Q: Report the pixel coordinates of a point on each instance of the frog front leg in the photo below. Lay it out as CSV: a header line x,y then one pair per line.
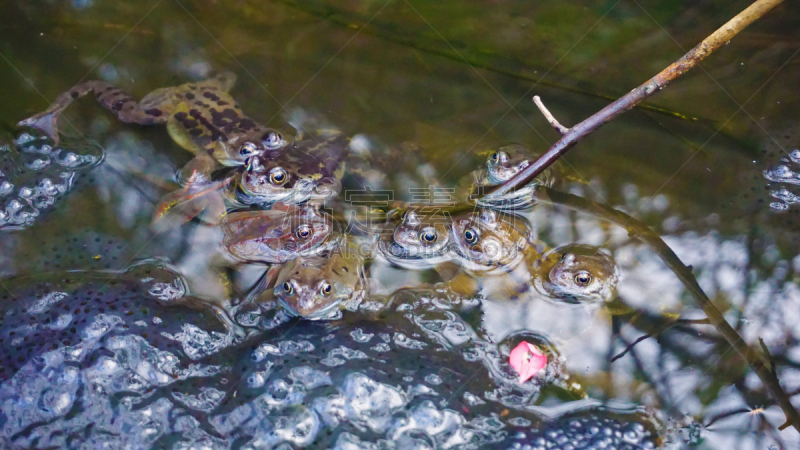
x,y
154,109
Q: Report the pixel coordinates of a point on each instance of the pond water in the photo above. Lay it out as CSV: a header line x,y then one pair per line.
x,y
118,334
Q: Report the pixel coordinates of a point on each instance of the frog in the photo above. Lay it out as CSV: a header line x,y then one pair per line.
x,y
419,238
318,287
309,170
201,117
577,273
497,256
501,165
491,249
277,235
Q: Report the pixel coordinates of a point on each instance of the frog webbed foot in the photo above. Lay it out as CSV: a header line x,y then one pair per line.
x,y
185,204
45,122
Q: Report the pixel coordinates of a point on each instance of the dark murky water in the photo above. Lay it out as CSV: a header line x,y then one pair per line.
x,y
113,334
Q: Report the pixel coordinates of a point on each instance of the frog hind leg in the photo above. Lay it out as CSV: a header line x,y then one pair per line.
x,y
126,108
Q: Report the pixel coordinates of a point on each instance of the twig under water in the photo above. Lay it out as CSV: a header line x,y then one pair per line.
x,y
634,97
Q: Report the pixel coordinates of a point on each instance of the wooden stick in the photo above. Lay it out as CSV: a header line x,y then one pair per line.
x,y
549,116
634,97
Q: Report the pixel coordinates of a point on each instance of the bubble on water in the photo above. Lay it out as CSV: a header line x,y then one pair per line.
x,y
38,164
404,341
6,188
785,196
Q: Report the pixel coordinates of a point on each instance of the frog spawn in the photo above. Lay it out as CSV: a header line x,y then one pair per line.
x,y
34,175
785,175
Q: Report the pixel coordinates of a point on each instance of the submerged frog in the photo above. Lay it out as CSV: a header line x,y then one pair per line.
x,y
501,166
317,287
200,116
278,235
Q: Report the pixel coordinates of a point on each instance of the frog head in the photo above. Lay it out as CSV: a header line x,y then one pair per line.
x,y
279,178
269,141
299,172
487,239
582,273
277,235
315,287
419,239
235,146
506,162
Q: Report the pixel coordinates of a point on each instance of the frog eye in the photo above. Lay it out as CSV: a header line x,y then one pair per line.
x,y
325,289
303,232
277,176
248,149
287,288
583,278
428,236
471,236
273,140
495,157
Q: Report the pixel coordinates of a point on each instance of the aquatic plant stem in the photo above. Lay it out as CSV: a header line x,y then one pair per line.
x,y
634,97
760,361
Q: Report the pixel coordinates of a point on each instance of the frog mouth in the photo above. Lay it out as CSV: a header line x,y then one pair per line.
x,y
322,313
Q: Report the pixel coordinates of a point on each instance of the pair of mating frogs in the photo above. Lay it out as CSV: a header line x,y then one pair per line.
x,y
204,119
318,273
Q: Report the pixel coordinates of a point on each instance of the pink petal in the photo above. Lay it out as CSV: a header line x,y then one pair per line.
x,y
527,360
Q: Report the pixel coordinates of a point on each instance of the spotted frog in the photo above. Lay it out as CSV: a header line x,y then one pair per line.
x,y
200,116
317,287
308,170
278,235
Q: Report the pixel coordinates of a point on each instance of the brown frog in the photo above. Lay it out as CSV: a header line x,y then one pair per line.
x,y
307,169
577,273
418,239
317,287
283,233
496,256
200,116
